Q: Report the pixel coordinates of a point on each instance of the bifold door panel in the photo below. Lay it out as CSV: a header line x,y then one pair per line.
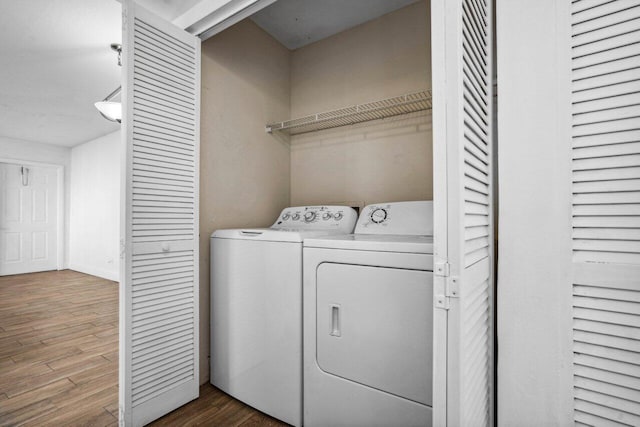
x,y
373,323
159,351
462,57
605,100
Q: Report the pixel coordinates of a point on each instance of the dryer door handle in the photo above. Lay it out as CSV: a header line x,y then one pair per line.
x,y
335,320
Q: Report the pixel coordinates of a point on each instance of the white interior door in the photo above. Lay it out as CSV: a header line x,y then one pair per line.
x,y
463,212
160,286
28,218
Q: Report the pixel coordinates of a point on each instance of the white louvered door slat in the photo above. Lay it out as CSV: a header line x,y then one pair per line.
x,y
606,211
463,194
159,290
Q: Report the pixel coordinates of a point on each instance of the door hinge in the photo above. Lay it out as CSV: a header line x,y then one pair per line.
x,y
441,301
445,286
441,269
452,289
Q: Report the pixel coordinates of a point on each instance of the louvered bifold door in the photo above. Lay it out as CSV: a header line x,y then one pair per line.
x,y
605,92
159,288
463,199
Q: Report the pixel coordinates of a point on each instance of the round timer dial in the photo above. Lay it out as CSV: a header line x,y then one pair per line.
x,y
378,215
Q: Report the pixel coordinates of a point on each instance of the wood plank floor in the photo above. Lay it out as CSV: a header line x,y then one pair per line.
x,y
59,358
58,349
215,408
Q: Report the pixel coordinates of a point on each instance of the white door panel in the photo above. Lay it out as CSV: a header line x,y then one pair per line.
x,y
28,218
159,351
606,212
463,215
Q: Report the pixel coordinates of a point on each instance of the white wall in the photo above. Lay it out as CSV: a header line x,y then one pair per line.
x,y
534,287
384,161
94,234
14,149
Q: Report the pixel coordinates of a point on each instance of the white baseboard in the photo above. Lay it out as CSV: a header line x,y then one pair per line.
x,y
95,271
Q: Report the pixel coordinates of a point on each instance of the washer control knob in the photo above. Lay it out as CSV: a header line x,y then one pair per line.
x,y
286,217
327,216
309,216
296,216
337,216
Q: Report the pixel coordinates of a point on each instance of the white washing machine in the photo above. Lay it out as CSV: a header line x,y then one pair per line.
x,y
368,307
256,307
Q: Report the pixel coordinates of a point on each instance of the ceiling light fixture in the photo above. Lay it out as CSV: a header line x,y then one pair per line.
x,y
109,109
112,110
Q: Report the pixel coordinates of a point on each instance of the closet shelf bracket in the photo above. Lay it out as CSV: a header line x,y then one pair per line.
x,y
399,105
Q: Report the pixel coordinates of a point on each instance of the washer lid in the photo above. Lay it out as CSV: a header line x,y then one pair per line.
x,y
374,242
269,234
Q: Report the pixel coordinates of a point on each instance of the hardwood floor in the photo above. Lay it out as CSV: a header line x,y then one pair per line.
x,y
58,349
215,408
59,358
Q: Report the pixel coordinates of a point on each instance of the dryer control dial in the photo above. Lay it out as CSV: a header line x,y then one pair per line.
x,y
295,217
286,217
378,215
327,216
309,216
337,216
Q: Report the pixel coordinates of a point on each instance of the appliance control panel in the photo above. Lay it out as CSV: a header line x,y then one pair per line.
x,y
339,218
402,218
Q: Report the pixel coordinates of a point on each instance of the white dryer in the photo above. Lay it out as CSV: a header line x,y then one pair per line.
x,y
256,307
368,307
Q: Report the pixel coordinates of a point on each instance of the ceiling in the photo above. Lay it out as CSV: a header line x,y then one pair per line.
x,y
56,60
297,23
167,9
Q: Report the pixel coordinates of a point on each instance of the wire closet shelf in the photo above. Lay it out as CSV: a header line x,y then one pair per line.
x,y
399,105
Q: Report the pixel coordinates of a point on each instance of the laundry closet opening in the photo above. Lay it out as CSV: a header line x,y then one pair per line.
x,y
271,68
310,103
310,60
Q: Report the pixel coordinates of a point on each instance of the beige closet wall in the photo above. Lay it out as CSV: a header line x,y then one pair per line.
x,y
244,172
372,162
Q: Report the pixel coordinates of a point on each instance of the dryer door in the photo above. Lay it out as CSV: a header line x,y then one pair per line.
x,y
374,327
